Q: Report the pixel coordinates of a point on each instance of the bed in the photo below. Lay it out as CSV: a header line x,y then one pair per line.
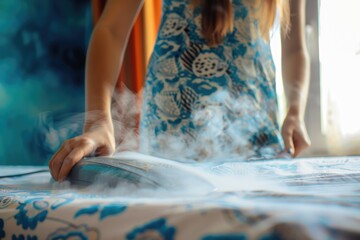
x,y
305,198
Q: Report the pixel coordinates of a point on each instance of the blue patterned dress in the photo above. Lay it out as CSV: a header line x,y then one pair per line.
x,y
203,102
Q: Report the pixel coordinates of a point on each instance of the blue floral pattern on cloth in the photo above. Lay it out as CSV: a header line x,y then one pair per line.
x,y
31,212
5,202
2,232
105,211
33,208
23,237
60,202
156,230
72,232
226,237
204,102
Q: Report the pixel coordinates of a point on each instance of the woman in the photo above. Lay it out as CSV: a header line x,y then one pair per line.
x,y
210,87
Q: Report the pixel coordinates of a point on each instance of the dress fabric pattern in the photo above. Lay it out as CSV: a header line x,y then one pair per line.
x,y
207,102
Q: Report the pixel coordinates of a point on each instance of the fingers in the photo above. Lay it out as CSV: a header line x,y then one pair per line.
x,y
295,142
68,155
288,142
301,142
56,161
295,135
82,150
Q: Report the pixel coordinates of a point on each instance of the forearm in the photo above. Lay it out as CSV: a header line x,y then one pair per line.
x,y
295,60
296,69
105,56
104,60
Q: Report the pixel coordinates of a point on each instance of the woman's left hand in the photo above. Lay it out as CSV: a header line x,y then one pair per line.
x,y
296,138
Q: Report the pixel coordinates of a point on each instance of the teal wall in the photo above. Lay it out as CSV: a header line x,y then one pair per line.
x,y
42,57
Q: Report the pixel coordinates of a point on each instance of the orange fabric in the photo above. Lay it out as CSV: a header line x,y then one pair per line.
x,y
136,46
140,44
97,8
152,15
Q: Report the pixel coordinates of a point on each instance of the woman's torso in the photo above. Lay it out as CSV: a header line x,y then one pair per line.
x,y
208,102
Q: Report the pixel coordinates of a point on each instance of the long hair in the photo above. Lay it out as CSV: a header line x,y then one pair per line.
x,y
218,17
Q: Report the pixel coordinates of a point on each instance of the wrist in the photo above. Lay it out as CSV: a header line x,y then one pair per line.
x,y
296,111
97,118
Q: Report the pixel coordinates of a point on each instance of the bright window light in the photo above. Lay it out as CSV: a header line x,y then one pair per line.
x,y
340,62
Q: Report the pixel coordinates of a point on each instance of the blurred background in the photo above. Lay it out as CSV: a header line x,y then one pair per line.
x,y
42,57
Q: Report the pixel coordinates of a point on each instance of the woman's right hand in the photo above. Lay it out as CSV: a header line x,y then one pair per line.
x,y
97,139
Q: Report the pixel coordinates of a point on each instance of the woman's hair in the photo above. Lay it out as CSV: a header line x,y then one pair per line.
x,y
218,17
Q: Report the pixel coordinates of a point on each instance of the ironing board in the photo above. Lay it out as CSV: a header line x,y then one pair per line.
x,y
310,198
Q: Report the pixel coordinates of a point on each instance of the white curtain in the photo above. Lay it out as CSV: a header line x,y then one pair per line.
x,y
340,75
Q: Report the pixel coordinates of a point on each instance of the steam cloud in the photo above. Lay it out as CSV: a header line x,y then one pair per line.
x,y
221,140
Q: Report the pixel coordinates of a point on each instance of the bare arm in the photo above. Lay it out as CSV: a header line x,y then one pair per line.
x,y
296,68
106,52
104,60
295,60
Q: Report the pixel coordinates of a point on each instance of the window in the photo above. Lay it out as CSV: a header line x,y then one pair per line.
x,y
339,38
333,40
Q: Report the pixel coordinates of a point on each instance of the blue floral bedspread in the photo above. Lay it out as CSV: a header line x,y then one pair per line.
x,y
310,198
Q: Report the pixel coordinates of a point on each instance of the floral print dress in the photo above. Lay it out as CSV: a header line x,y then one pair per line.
x,y
205,102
